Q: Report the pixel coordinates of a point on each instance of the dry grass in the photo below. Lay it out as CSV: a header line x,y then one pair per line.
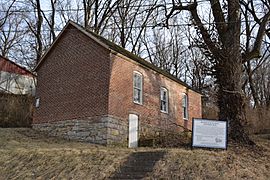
x,y
26,154
235,163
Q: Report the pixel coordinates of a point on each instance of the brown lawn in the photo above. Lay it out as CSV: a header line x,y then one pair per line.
x,y
27,154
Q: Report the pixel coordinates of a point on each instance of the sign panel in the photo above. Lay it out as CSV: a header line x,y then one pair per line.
x,y
209,133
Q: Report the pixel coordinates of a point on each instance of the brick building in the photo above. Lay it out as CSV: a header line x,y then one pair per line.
x,y
93,90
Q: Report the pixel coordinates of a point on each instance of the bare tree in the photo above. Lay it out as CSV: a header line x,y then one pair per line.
x,y
227,57
259,83
97,13
130,19
251,68
51,19
165,50
5,14
87,5
66,10
35,27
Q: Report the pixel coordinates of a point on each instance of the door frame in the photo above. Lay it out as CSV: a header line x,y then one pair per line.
x,y
133,144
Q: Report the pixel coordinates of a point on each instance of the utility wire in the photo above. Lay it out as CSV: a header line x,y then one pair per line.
x,y
160,25
82,9
129,6
120,6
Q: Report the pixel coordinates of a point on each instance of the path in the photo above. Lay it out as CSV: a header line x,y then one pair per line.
x,y
138,165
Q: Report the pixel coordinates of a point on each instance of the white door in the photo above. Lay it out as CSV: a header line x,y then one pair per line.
x,y
133,131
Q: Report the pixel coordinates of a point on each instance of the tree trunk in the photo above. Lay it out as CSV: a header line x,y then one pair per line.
x,y
231,100
38,31
228,72
254,92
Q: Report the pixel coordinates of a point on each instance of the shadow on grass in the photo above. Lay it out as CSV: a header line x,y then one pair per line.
x,y
138,165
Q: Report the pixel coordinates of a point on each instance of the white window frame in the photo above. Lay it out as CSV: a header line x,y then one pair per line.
x,y
138,88
163,89
37,103
185,106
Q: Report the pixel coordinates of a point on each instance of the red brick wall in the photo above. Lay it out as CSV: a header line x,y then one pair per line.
x,y
73,79
121,95
79,78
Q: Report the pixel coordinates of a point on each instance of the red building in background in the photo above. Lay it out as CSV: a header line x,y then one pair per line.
x,y
15,79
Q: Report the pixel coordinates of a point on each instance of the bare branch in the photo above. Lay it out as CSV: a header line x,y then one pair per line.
x,y
255,52
4,19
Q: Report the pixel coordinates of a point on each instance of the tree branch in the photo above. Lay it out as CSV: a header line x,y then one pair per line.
x,y
255,52
4,19
219,19
192,8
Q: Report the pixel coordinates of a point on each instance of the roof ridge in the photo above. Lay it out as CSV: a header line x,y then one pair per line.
x,y
114,47
16,64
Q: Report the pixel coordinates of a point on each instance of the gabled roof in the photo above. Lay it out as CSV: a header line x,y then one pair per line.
x,y
7,65
118,49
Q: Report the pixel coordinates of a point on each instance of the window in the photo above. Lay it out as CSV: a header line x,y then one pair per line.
x,y
185,106
164,100
37,102
137,87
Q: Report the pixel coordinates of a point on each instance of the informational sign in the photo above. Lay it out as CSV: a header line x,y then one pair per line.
x,y
209,133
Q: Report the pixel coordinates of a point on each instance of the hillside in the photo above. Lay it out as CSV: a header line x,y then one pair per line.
x,y
26,154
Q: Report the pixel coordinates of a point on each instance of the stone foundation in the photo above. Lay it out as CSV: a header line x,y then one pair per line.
x,y
105,130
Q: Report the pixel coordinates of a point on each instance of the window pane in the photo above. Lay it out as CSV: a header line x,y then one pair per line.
x,y
185,106
163,100
184,101
163,95
137,87
164,106
137,81
137,95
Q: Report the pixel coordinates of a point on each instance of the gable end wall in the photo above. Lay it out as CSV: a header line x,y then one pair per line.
x,y
73,80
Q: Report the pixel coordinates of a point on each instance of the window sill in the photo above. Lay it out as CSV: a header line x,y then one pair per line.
x,y
137,103
165,112
185,119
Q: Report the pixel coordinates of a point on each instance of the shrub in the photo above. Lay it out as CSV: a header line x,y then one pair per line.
x,y
166,139
258,119
15,110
